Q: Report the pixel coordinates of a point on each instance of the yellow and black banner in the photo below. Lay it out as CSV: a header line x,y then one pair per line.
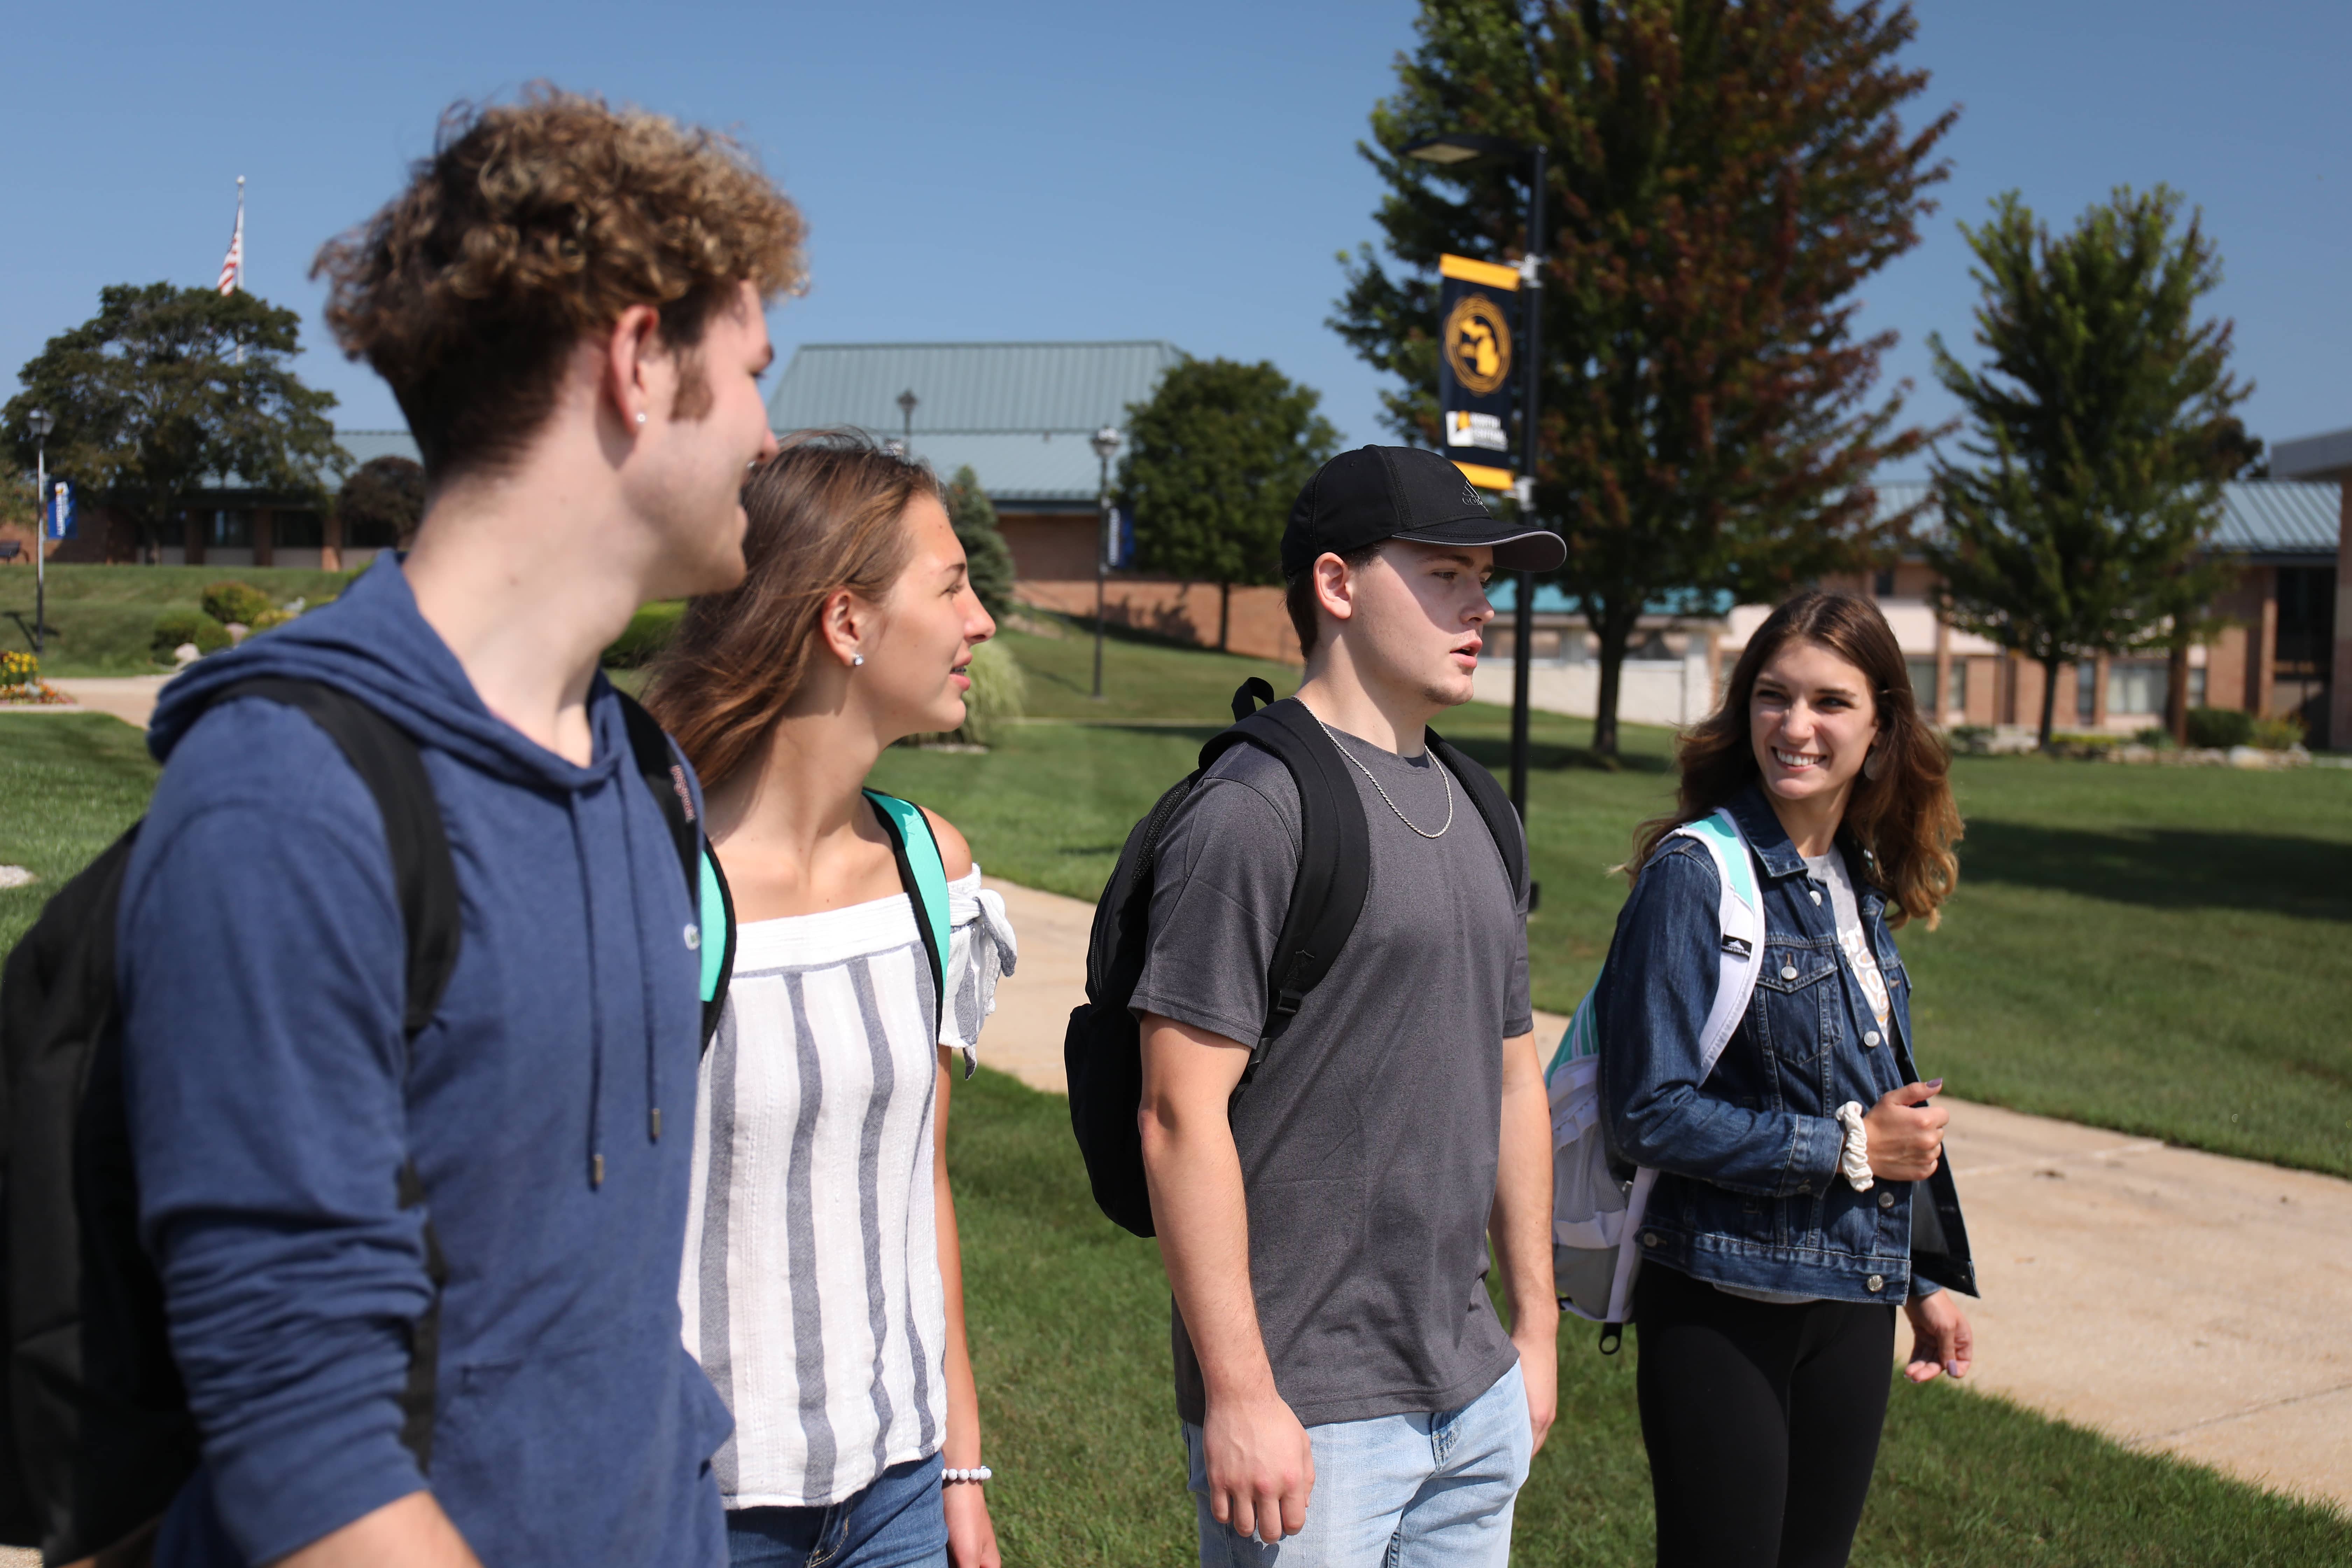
x,y
1476,354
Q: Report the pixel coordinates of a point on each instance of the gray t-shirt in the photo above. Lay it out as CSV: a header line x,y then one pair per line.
x,y
1369,1138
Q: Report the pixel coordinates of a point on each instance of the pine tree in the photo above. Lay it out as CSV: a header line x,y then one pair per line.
x,y
1724,175
986,555
2100,431
1214,459
165,387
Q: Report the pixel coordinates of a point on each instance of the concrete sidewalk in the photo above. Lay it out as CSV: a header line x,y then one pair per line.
x,y
130,698
2171,1299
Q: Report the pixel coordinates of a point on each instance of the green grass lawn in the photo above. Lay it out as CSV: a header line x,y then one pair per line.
x,y
1069,1334
101,618
2154,950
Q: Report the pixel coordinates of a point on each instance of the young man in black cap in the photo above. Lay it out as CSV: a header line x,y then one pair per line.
x,y
1342,1378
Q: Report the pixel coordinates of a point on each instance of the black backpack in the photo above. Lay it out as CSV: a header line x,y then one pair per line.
x,y
1102,1052
98,1437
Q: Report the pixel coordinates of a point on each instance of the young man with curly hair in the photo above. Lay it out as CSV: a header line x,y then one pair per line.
x,y
567,301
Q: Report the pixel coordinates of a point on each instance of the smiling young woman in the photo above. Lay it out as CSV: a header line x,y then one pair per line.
x,y
1787,1222
823,1283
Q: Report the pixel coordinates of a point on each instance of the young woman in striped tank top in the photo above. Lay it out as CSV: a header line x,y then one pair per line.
x,y
823,1285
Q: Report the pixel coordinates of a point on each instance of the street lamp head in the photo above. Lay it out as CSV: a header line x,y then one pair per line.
x,y
907,401
42,423
1455,147
1105,442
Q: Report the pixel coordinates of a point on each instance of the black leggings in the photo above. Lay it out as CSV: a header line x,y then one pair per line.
x,y
1762,1420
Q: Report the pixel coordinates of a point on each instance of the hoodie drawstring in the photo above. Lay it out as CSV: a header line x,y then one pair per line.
x,y
646,981
595,1013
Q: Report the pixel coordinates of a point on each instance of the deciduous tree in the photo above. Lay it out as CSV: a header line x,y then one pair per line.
x,y
382,502
1724,175
2100,429
1214,461
166,387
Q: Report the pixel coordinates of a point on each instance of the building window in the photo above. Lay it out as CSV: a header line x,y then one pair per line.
x,y
231,530
1957,699
2306,622
2138,686
2196,686
1883,585
296,530
2086,692
1922,684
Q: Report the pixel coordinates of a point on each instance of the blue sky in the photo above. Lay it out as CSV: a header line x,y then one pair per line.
x,y
1048,170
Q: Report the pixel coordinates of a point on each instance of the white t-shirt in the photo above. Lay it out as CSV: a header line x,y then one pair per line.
x,y
811,1289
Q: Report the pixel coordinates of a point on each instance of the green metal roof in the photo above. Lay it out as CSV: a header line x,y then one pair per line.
x,y
1019,414
2265,520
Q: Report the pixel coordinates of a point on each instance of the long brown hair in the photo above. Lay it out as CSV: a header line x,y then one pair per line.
x,y
1904,821
826,513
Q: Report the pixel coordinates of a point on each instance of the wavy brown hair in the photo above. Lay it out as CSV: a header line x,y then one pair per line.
x,y
826,513
532,224
1904,821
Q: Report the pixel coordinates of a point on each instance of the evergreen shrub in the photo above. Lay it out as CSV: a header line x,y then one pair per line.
x,y
2221,728
239,604
174,627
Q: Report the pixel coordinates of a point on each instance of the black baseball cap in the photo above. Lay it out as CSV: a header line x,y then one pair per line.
x,y
1373,493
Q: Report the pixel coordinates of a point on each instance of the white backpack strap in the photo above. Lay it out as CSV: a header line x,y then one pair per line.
x,y
1739,954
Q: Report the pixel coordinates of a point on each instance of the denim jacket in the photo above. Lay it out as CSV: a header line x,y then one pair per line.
x,y
1748,1192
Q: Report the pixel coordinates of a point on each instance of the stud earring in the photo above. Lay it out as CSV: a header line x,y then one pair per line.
x,y
640,415
856,659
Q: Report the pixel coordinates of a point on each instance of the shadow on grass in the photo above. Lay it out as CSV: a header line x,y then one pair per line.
x,y
2167,867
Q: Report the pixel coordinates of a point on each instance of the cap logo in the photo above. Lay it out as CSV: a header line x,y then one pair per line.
x,y
1470,496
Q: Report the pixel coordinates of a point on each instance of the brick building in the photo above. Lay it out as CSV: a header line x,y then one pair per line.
x,y
1021,415
2272,656
231,525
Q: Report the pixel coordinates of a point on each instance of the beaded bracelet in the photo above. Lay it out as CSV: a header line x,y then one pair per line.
x,y
977,1474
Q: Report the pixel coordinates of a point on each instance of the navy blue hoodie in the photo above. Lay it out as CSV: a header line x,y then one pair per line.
x,y
272,1101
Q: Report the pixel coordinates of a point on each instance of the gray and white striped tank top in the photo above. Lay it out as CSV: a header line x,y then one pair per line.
x,y
811,1288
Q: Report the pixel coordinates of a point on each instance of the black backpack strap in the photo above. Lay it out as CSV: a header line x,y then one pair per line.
x,y
664,772
423,874
1334,852
425,878
1501,818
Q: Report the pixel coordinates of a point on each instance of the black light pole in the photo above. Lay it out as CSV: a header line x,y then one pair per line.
x,y
907,401
1453,150
1105,442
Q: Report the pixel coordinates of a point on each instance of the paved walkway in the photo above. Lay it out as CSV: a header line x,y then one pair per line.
x,y
2172,1299
130,698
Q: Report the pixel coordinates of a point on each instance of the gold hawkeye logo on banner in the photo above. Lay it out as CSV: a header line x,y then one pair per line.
x,y
1478,344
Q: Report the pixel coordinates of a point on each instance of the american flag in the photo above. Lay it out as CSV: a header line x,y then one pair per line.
x,y
233,265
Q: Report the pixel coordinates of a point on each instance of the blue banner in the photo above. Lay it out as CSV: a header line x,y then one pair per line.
x,y
58,516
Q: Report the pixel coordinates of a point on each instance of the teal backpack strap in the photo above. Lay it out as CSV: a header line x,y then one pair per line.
x,y
715,909
925,878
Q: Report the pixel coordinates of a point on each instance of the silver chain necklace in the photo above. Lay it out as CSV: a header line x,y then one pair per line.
x,y
1400,817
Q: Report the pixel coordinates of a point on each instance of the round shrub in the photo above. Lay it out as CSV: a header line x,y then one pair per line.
x,y
239,604
2219,729
174,627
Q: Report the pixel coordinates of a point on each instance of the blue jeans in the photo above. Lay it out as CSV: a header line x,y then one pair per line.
x,y
897,1523
1399,1491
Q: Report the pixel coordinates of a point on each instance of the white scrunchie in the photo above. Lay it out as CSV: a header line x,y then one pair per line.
x,y
1854,1162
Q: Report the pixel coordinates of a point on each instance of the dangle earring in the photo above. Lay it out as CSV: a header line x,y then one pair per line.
x,y
1873,764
